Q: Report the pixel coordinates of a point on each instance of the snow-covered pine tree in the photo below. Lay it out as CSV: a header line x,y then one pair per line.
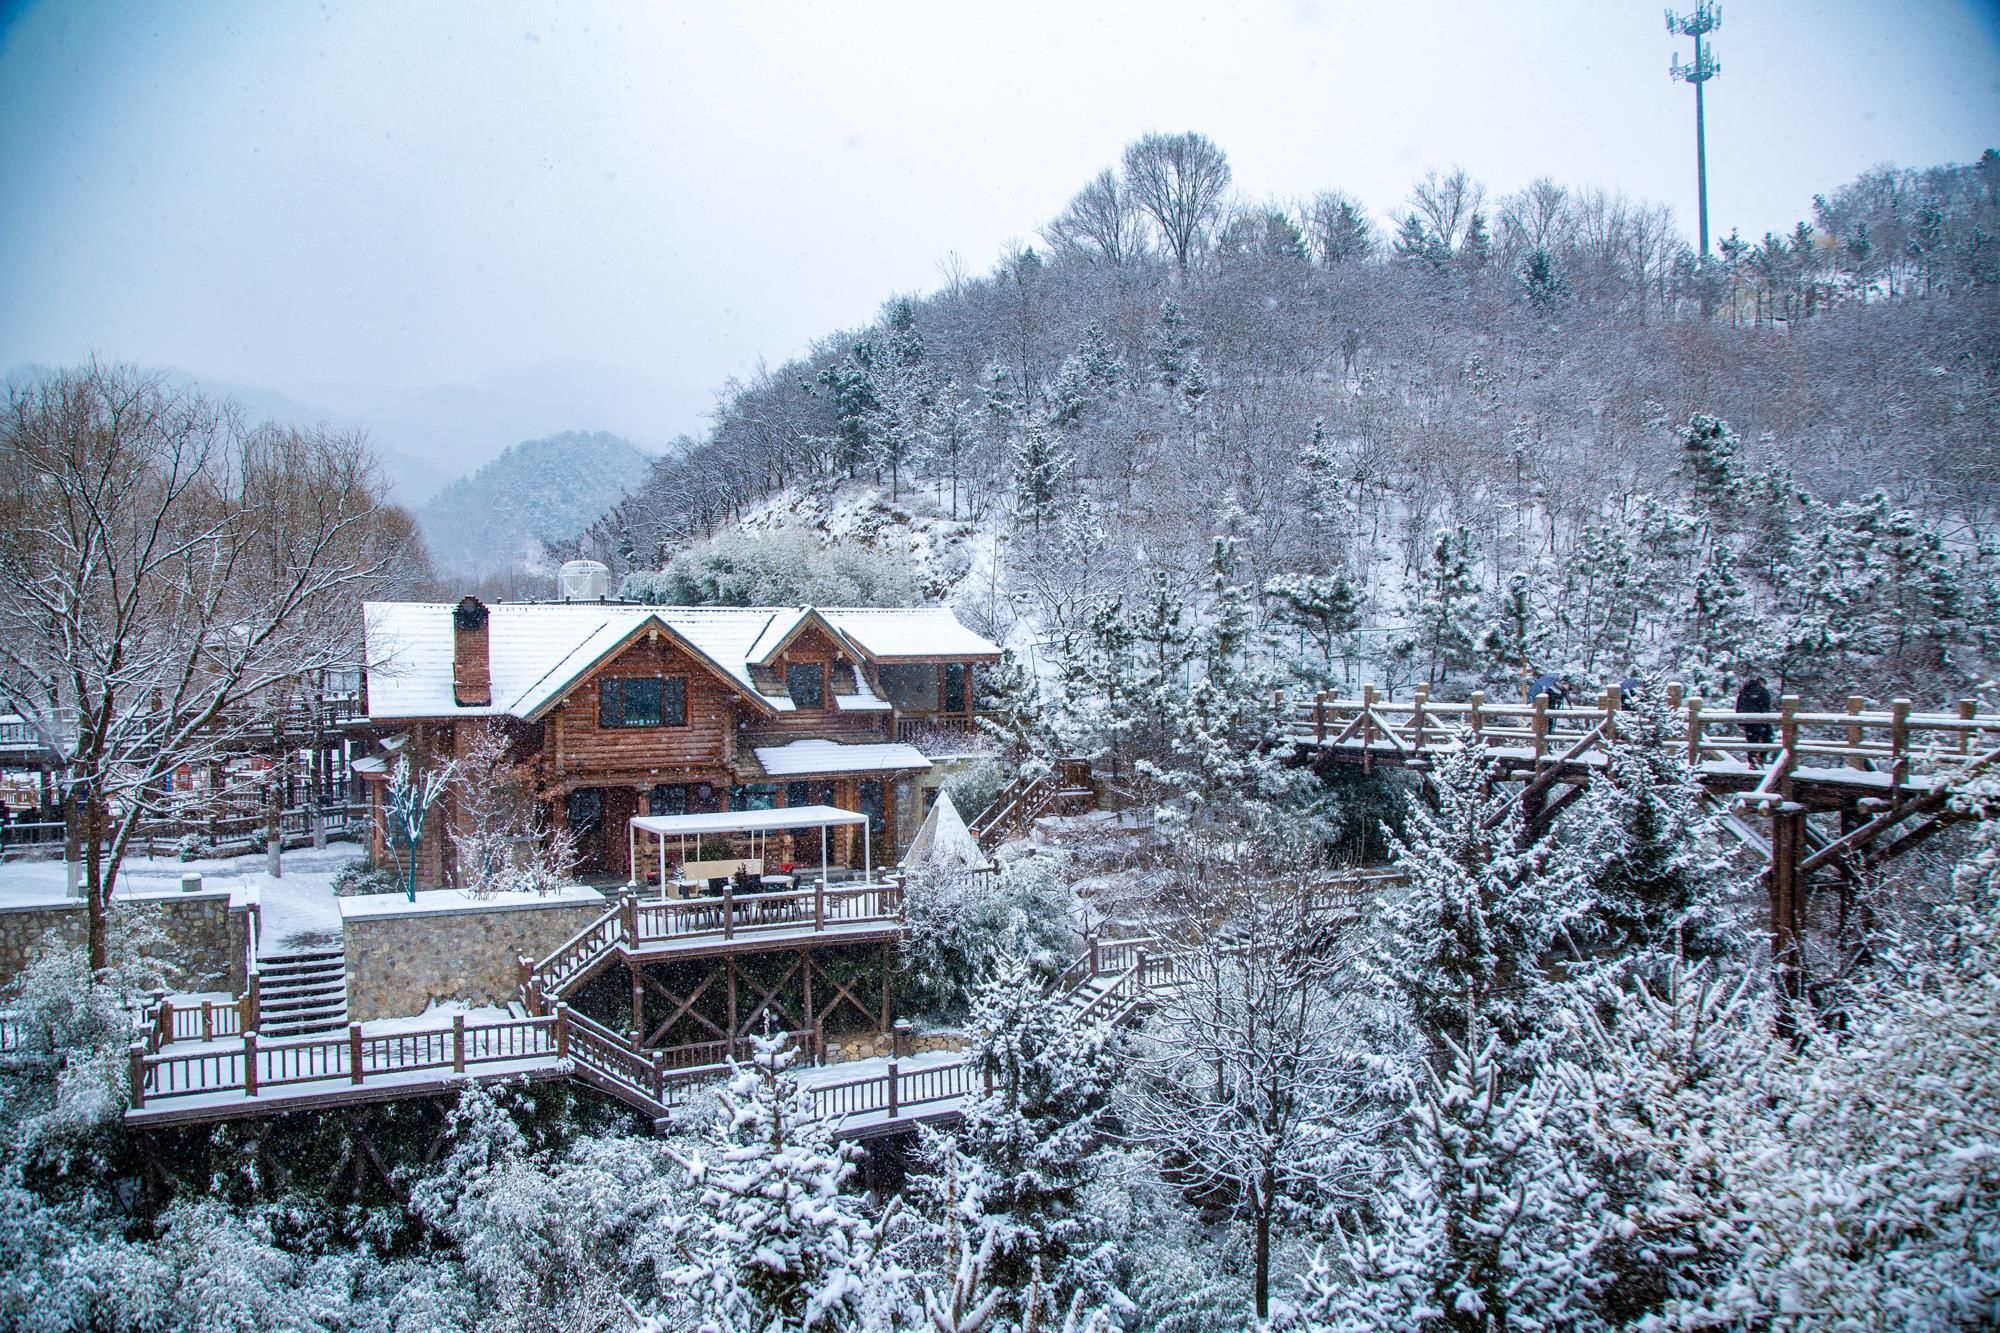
x,y
1447,607
1033,1129
1712,449
1487,1225
786,1248
1518,635
1657,874
1038,463
1467,939
1325,609
1090,375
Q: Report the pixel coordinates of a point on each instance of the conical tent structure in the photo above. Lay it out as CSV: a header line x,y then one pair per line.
x,y
943,842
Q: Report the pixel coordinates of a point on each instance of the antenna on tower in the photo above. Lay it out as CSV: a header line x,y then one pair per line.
x,y
1705,19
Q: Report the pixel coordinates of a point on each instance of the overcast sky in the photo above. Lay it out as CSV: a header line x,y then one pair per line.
x,y
302,195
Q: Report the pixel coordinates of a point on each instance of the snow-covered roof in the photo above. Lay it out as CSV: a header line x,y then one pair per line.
x,y
863,700
748,821
913,634
815,758
536,651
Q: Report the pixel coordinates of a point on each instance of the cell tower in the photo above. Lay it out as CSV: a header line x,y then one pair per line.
x,y
1705,19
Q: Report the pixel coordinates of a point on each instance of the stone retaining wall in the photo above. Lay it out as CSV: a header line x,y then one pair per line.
x,y
203,935
401,958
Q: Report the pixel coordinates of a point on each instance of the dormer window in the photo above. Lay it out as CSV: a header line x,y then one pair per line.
x,y
806,683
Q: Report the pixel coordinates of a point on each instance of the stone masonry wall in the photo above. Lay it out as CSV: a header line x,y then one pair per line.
x,y
203,935
398,963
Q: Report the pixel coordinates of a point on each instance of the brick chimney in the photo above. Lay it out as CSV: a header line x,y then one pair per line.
x,y
471,655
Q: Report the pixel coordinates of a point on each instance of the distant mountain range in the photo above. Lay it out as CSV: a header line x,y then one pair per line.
x,y
535,494
429,435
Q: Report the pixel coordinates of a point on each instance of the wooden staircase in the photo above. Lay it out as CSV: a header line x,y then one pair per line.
x,y
1026,799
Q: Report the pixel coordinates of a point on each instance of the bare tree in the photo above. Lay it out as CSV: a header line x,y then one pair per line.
x,y
166,577
1101,224
1445,205
1251,1088
1180,180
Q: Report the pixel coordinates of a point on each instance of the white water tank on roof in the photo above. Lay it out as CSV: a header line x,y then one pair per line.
x,y
585,581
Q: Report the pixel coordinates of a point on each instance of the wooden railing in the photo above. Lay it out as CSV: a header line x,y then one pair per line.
x,y
634,924
1857,744
928,731
254,1068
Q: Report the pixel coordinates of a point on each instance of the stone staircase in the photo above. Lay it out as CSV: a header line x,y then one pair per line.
x,y
299,994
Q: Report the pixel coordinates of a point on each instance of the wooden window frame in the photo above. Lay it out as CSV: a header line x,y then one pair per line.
x,y
825,686
673,689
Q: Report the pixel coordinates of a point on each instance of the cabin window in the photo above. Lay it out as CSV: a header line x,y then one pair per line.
x,y
874,804
668,798
956,677
818,792
636,701
754,796
806,683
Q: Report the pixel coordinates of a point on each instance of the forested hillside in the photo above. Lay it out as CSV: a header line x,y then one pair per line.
x,y
1500,435
538,494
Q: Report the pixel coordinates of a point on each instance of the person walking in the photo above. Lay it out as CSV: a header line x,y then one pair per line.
x,y
1754,698
1552,685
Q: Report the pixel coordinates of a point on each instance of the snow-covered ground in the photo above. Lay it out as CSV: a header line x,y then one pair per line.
x,y
298,908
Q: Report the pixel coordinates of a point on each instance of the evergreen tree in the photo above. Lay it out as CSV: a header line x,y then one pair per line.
x,y
1038,462
1542,281
1034,1132
1447,606
1711,448
1658,877
785,1248
1326,609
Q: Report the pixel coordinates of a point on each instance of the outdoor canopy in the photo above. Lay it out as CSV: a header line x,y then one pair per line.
x,y
753,822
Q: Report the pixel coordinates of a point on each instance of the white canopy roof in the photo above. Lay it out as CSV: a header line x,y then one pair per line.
x,y
799,758
748,821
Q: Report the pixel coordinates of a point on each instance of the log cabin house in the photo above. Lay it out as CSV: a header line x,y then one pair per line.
x,y
619,709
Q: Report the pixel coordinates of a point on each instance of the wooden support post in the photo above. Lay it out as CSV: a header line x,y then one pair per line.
x,y
638,1008
1788,823
888,967
250,1064
354,1053
1675,692
562,1031
1417,716
1967,710
1694,731
1094,969
1478,714
894,1102
207,1020
253,1015
628,918
1855,732
1788,739
138,1074
1610,702
1899,744
729,908
1319,718
1540,726
1367,728
458,1043
660,1076
729,971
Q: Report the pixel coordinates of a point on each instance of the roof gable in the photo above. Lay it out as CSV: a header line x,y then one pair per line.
x,y
605,645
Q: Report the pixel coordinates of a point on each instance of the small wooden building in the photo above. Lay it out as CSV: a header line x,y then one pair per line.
x,y
618,709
